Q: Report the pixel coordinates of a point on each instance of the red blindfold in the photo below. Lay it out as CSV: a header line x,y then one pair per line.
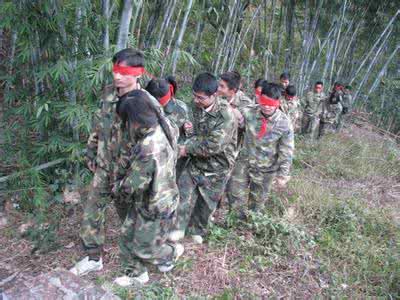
x,y
165,99
127,70
267,101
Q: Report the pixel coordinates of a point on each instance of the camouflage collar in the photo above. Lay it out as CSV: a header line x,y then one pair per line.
x,y
216,107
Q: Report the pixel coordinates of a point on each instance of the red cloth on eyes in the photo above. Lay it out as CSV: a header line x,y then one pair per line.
x,y
127,70
267,101
165,99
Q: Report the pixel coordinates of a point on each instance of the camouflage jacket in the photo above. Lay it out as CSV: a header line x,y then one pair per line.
x,y
274,151
211,149
177,112
151,176
105,140
313,103
331,112
240,100
291,108
347,100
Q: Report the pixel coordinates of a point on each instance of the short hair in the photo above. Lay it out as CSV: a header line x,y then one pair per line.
x,y
284,75
206,83
319,82
291,90
232,79
272,90
260,82
157,88
131,57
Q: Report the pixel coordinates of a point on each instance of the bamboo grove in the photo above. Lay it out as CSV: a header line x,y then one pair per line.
x,y
55,59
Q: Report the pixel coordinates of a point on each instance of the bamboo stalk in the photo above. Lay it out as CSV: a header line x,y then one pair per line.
x,y
180,37
374,46
124,25
37,168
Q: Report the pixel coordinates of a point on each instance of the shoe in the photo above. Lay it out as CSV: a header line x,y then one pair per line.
x,y
198,239
86,266
176,235
164,268
126,281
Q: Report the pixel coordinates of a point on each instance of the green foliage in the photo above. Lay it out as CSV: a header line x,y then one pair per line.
x,y
261,235
151,291
358,245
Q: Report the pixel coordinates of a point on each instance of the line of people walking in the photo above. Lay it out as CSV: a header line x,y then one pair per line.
x,y
166,164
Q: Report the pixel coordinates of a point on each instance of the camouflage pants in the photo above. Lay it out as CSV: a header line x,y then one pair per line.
x,y
92,231
199,197
143,241
248,186
343,118
326,128
310,126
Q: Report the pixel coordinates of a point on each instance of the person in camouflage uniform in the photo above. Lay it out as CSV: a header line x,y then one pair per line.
x,y
176,111
331,111
228,87
148,187
312,111
103,148
284,81
266,154
347,103
211,156
290,105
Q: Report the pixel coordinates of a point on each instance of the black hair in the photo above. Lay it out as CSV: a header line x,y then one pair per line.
x,y
285,75
319,82
171,80
136,107
271,90
160,87
232,79
291,90
260,82
206,83
131,57
157,88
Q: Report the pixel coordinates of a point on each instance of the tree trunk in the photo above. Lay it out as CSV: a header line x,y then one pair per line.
x,y
376,56
105,5
138,6
152,22
164,28
124,25
166,61
268,50
374,46
180,37
140,22
289,34
383,70
225,35
337,41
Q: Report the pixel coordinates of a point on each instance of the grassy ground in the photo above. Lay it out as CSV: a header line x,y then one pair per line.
x,y
333,233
